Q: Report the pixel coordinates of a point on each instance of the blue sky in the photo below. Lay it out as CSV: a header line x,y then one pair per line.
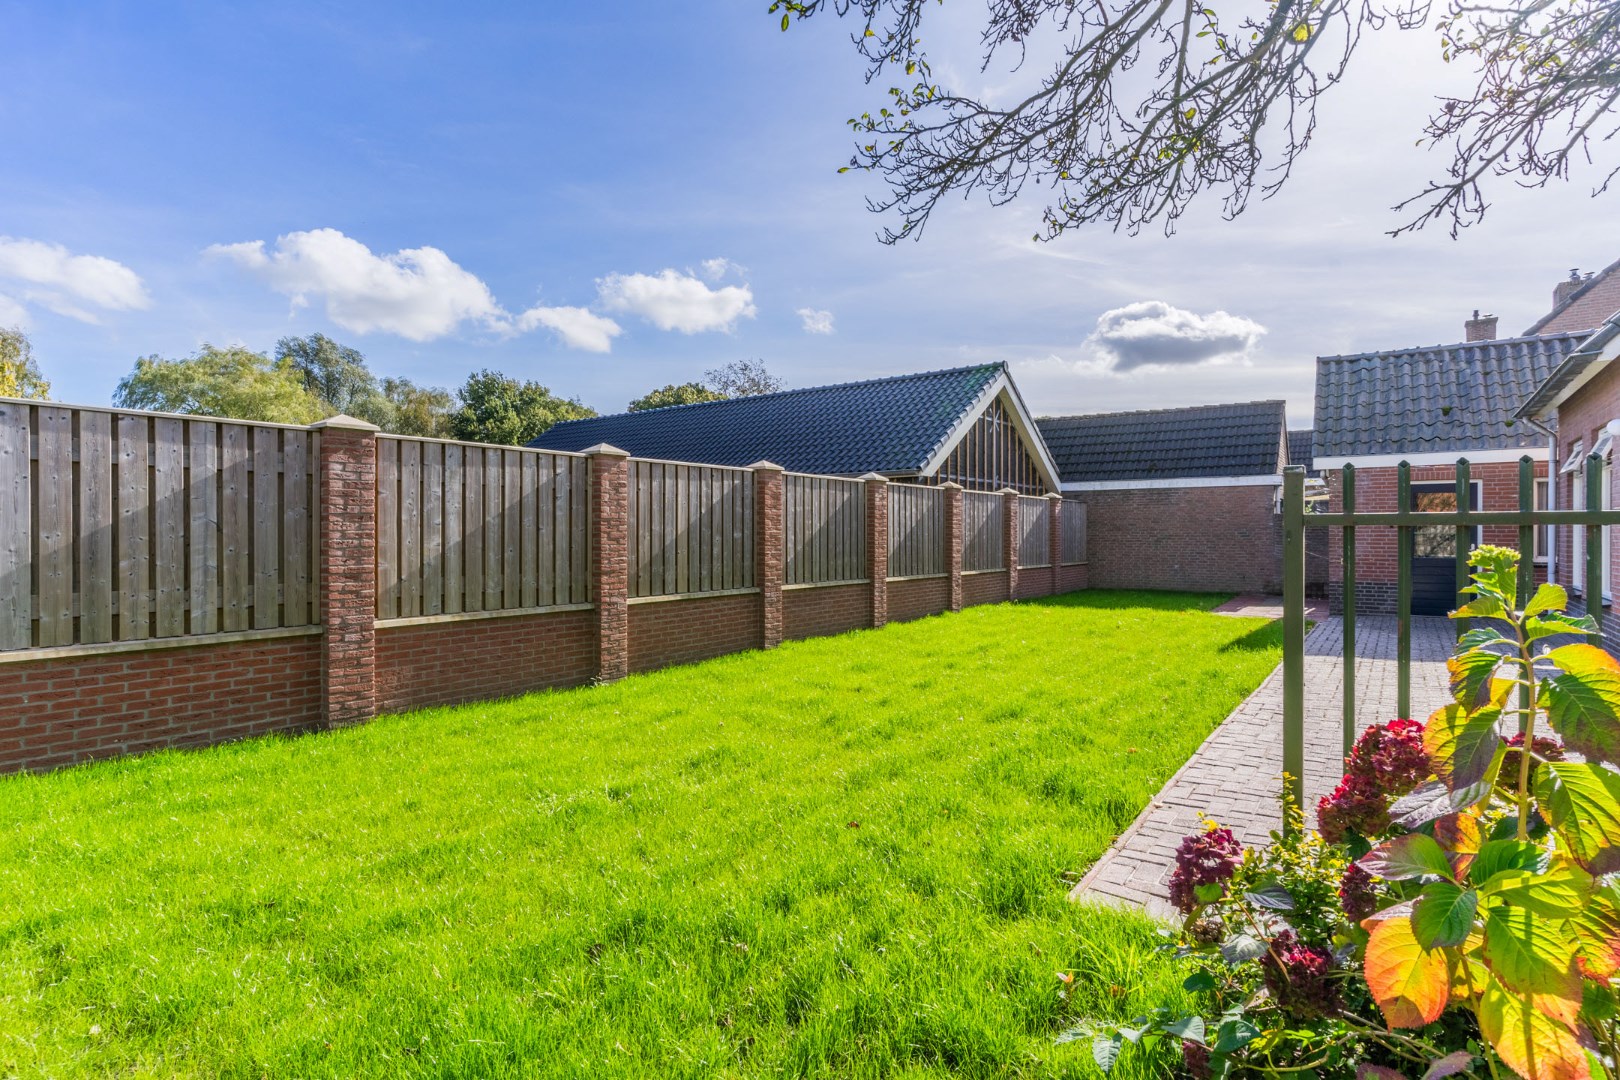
x,y
620,196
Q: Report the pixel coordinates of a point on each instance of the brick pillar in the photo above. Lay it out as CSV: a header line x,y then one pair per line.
x,y
1054,540
610,555
877,545
953,540
1010,532
347,549
770,566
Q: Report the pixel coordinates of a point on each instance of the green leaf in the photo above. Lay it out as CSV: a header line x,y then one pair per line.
x,y
1411,856
1462,746
1584,708
1481,607
1271,897
784,22
1233,1035
1198,981
1533,1035
1531,953
1549,625
1471,676
1188,1027
1549,597
1481,637
1499,856
1562,889
1432,800
1583,803
1209,892
1241,947
1443,915
1459,1061
1105,1051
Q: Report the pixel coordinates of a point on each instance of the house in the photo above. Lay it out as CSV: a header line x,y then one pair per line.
x,y
1579,405
1178,498
1429,406
1581,303
968,425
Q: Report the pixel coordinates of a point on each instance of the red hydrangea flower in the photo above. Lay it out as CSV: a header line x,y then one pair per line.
x,y
1204,858
1195,1059
1357,894
1387,762
1300,977
1541,747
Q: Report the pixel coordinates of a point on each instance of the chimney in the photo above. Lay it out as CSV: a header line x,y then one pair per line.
x,y
1481,328
1564,289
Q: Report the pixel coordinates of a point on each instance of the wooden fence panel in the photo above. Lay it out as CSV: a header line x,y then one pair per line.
x,y
824,519
120,526
1073,525
916,531
691,528
1034,532
982,515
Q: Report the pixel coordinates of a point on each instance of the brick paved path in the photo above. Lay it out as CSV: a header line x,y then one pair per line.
x,y
1234,777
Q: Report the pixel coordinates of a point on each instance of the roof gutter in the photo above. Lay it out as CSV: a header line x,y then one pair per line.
x,y
1574,372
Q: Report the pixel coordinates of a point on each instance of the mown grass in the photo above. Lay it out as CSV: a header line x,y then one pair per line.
x,y
846,857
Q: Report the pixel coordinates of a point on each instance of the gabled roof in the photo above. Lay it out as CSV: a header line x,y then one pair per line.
x,y
1578,367
1587,308
1200,442
898,426
1299,449
1442,398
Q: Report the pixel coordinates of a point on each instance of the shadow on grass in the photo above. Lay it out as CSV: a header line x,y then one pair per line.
x,y
1114,599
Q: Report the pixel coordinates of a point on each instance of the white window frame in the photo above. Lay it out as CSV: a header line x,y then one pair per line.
x,y
1541,538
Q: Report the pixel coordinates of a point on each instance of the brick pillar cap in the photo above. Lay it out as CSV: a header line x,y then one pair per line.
x,y
1054,495
603,449
950,485
766,466
1007,491
347,423
874,478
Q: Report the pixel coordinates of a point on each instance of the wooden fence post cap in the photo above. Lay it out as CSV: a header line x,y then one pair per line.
x,y
766,466
874,478
950,485
603,449
346,423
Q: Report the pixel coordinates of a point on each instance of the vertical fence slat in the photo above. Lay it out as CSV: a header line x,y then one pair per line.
x,y
169,525
545,496
511,531
410,528
202,495
95,527
455,530
1462,536
1293,742
266,528
388,570
472,529
528,481
1594,538
1403,594
53,479
433,528
562,571
16,527
578,540
494,535
134,529
297,538
1350,728
236,523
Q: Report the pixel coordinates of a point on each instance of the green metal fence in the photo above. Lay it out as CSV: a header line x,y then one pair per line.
x,y
1406,522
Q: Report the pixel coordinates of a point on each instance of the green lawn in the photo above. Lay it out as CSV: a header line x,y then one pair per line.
x,y
845,857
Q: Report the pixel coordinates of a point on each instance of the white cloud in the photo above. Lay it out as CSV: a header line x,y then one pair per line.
x,y
417,293
675,301
12,313
68,284
578,327
717,268
1152,333
816,322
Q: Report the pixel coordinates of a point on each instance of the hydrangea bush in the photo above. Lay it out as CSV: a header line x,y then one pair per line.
x,y
1454,912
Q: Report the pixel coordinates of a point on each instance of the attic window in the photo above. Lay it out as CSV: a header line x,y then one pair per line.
x,y
1573,462
1604,446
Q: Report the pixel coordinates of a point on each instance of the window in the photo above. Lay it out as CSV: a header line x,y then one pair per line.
x,y
1542,537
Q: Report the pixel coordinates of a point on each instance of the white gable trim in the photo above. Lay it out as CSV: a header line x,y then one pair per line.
x,y
1268,480
1026,428
1438,457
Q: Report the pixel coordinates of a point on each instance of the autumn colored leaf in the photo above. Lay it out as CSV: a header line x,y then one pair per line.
x,y
1460,836
1408,981
1553,893
1583,703
1596,927
1530,953
1471,673
1411,856
1583,803
1462,745
1533,1033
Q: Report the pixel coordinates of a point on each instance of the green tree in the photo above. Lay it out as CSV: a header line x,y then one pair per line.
x,y
233,382
337,374
19,374
685,394
417,410
498,409
742,378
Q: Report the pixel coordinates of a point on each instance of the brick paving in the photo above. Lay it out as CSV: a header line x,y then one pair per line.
x,y
1262,606
1235,775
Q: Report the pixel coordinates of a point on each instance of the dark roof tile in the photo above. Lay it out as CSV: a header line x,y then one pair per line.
x,y
1155,444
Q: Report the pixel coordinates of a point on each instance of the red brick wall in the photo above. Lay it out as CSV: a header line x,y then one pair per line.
x,y
831,609
669,632
473,659
1376,547
70,709
1074,578
1200,539
917,597
1581,418
984,588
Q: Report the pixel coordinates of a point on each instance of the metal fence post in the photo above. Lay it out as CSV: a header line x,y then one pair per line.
x,y
1403,594
1294,637
1594,538
1464,534
1348,488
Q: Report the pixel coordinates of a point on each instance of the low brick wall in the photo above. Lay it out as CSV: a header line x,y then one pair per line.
x,y
1197,539
1073,578
1035,582
825,610
444,663
682,631
68,709
918,598
986,587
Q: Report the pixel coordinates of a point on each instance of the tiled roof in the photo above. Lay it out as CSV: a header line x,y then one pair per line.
x,y
1587,308
1440,398
1299,449
1162,444
890,426
1571,372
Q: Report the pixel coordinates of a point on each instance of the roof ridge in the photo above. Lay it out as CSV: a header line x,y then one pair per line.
x,y
1419,349
998,364
1586,287
1168,409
